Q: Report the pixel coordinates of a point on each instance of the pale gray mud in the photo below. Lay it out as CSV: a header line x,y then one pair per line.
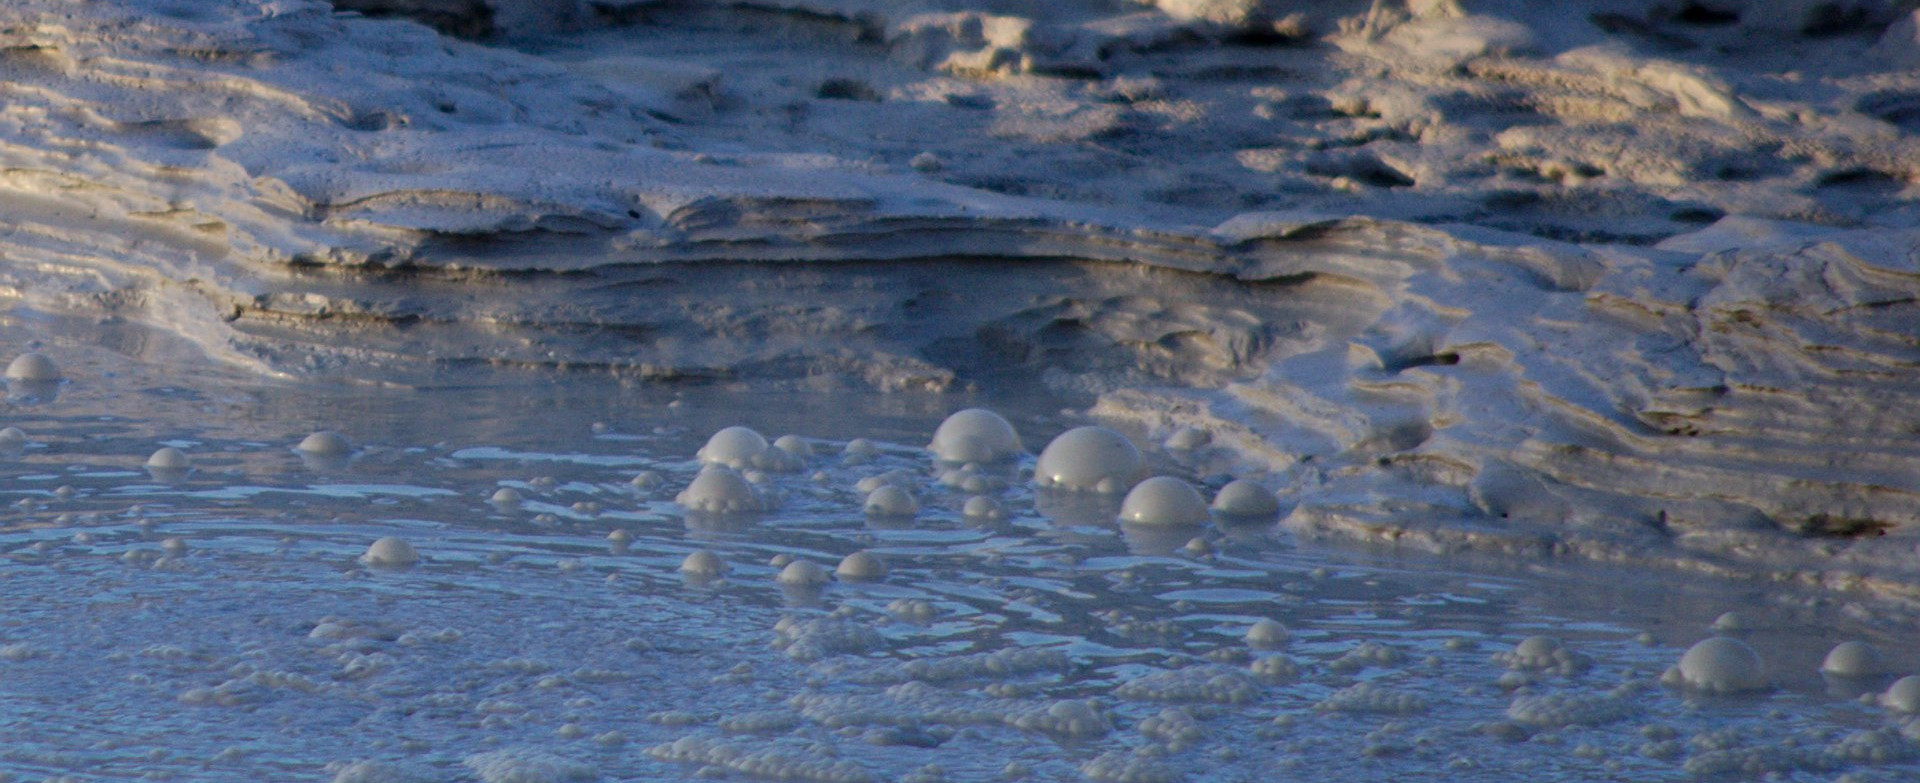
x,y
1562,340
219,624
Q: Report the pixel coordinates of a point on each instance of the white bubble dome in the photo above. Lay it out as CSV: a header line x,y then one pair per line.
x,y
802,573
1247,499
1089,458
33,367
1267,633
1164,500
507,496
1719,665
888,500
391,551
793,444
720,491
1732,622
169,458
703,562
975,435
326,442
1903,696
861,566
1188,439
983,507
735,447
1854,659
12,438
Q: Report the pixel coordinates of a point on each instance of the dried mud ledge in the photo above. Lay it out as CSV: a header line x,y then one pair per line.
x,y
1337,245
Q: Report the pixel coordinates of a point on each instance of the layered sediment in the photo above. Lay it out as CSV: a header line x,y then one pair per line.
x,y
1633,281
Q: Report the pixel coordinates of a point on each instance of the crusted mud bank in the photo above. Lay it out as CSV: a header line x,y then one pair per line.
x,y
1632,281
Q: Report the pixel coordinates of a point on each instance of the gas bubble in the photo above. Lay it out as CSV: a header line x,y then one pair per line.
x,y
1246,499
1164,500
974,435
391,551
33,367
326,442
891,501
1089,459
720,491
861,566
1719,665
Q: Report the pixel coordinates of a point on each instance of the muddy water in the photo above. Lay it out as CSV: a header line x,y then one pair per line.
x,y
219,625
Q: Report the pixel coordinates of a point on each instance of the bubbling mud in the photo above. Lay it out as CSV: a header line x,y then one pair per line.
x,y
582,628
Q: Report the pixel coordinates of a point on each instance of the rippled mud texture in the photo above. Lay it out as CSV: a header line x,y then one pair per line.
x,y
1623,281
388,617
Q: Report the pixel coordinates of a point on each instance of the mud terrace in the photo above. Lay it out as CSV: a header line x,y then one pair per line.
x,y
1630,280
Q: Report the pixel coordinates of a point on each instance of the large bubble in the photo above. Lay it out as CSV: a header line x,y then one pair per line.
x,y
803,573
1854,659
326,442
734,447
1246,499
1267,633
1164,500
169,458
975,435
888,500
702,562
1903,696
720,491
861,566
741,448
33,367
1093,459
981,507
1719,665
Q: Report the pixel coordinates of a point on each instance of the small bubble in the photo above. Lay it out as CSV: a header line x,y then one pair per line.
x,y
390,551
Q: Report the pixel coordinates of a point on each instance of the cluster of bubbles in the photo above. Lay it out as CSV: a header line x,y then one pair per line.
x,y
1721,665
965,447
